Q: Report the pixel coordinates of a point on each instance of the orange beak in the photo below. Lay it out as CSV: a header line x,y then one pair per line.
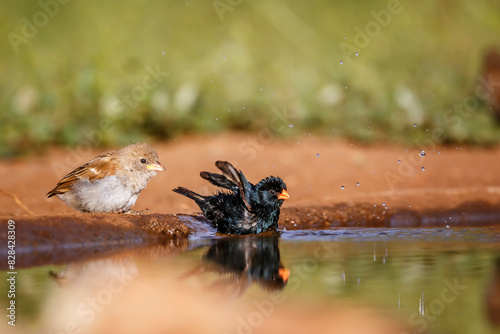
x,y
284,274
284,195
157,167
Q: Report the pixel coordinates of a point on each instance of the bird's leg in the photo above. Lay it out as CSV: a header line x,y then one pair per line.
x,y
242,285
248,257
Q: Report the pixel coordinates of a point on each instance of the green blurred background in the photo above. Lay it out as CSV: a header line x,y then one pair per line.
x,y
67,70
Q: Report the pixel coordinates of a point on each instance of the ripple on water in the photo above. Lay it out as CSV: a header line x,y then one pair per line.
x,y
424,234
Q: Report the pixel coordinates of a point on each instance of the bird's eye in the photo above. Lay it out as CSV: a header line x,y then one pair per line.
x,y
143,160
272,192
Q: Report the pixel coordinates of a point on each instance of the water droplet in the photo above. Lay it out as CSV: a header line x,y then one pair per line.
x,y
341,62
290,125
415,125
383,204
163,52
422,169
356,54
345,37
346,87
357,183
399,161
317,155
342,188
422,154
261,89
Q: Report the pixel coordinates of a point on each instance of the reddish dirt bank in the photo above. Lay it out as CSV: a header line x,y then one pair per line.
x,y
65,238
54,239
314,168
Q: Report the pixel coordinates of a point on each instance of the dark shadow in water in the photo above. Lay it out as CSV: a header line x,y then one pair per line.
x,y
242,261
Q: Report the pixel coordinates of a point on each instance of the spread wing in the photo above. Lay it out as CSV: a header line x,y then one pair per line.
x,y
97,168
219,181
238,179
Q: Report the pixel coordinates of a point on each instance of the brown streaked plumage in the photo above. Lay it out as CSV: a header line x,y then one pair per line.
x,y
111,182
97,168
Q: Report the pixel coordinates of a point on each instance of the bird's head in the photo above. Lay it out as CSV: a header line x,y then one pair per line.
x,y
140,158
272,191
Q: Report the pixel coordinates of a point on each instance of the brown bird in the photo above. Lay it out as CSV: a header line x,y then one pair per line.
x,y
111,182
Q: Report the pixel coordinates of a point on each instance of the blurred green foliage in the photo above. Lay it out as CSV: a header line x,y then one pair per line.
x,y
67,70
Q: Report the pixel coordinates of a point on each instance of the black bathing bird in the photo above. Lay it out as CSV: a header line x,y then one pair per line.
x,y
246,208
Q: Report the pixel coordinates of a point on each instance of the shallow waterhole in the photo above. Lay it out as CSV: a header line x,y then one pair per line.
x,y
443,279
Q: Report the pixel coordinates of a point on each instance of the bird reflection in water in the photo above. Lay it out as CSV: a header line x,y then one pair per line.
x,y
243,261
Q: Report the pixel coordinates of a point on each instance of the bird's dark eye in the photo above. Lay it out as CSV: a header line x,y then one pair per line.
x,y
143,160
272,192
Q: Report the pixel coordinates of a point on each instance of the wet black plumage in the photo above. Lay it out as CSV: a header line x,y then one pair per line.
x,y
244,208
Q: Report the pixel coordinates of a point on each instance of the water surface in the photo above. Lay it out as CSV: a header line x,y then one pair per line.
x,y
438,280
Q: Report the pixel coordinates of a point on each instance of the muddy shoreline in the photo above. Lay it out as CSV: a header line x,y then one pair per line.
x,y
57,239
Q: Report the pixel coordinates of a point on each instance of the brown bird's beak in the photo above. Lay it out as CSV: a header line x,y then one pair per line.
x,y
284,195
284,274
157,167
